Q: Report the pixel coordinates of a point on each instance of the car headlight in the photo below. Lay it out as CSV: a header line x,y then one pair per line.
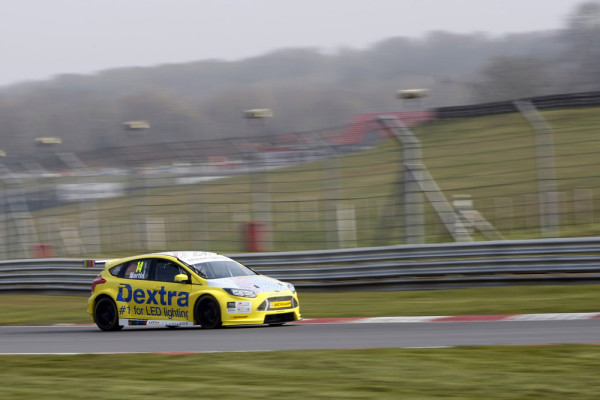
x,y
291,287
241,292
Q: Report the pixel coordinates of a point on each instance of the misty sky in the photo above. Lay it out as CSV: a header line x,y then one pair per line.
x,y
43,38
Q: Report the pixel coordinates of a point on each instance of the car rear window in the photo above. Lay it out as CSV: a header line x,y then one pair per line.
x,y
117,270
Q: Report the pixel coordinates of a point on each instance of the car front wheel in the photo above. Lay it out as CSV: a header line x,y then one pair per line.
x,y
208,313
105,314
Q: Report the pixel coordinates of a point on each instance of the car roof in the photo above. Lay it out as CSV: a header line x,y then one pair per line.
x,y
189,257
194,257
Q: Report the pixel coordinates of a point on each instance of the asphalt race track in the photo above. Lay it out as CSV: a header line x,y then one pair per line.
x,y
89,339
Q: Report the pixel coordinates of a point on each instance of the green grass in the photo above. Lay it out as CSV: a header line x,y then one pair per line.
x,y
501,372
481,301
39,309
504,372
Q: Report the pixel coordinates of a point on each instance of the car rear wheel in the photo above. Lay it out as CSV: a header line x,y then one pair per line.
x,y
105,314
208,313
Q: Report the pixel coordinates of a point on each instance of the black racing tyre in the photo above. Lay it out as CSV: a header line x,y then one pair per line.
x,y
105,315
277,324
208,313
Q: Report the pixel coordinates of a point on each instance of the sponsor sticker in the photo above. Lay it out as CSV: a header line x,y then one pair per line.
x,y
281,304
160,297
239,307
167,323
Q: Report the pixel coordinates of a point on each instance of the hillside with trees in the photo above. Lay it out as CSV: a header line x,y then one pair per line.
x,y
306,89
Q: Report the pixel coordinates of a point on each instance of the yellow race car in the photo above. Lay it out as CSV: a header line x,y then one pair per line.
x,y
188,288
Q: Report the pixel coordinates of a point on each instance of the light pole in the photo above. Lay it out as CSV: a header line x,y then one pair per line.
x,y
134,130
258,230
4,179
45,198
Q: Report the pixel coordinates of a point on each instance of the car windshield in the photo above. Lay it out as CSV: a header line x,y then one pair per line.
x,y
221,269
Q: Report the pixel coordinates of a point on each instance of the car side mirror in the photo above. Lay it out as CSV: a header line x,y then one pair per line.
x,y
181,278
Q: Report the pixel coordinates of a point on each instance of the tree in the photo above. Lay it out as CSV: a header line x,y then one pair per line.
x,y
510,77
582,37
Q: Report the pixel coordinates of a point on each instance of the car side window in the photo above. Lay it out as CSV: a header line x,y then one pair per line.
x,y
137,269
165,271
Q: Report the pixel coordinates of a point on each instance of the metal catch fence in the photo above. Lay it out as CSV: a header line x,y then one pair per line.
x,y
516,175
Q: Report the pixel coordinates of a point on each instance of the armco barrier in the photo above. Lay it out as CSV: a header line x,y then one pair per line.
x,y
404,267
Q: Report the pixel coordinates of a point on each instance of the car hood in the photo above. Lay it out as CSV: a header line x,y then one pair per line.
x,y
256,283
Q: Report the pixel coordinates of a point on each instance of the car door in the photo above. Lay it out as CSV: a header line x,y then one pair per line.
x,y
132,288
172,299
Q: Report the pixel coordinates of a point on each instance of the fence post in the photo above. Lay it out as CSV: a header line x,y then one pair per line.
x,y
330,178
544,149
346,225
414,230
3,221
18,219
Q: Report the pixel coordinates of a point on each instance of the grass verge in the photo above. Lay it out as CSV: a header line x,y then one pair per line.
x,y
39,309
503,372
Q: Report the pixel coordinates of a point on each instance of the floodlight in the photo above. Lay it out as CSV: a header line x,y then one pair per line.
x,y
412,93
45,141
136,125
258,113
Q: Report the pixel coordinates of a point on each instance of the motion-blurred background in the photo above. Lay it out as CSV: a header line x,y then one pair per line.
x,y
287,151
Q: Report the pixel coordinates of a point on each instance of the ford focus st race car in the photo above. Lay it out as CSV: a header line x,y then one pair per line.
x,y
188,288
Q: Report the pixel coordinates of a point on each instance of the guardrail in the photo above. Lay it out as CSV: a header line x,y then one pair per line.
x,y
565,100
403,267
